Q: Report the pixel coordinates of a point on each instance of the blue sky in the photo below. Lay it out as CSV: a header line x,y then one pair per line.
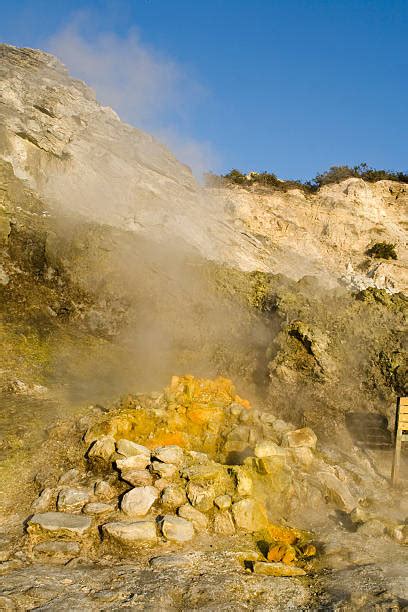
x,y
290,86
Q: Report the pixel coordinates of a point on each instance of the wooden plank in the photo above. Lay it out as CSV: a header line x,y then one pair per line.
x,y
401,423
396,459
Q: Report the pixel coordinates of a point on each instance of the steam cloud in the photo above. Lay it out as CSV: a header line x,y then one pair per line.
x,y
144,87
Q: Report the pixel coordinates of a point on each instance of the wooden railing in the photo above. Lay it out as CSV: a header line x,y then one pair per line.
x,y
401,435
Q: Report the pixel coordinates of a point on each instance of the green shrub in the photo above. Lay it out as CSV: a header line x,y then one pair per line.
x,y
382,250
338,173
335,174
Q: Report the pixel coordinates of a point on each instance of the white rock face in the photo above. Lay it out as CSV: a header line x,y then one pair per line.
x,y
81,158
322,234
139,500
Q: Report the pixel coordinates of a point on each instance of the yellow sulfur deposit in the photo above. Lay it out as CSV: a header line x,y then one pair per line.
x,y
190,413
287,545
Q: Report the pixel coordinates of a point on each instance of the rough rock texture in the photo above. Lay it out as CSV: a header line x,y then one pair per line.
x,y
66,145
326,234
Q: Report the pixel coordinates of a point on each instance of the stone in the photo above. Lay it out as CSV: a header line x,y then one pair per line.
x,y
161,483
173,496
134,462
139,500
208,471
198,457
102,449
176,529
130,449
169,454
137,478
57,547
223,502
59,523
72,500
337,491
271,465
361,515
300,437
164,470
4,277
399,533
250,515
201,497
277,569
98,508
244,482
127,534
103,490
267,448
69,476
223,523
197,518
43,501
302,456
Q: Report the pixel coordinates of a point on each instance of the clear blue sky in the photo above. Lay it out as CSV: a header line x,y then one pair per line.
x,y
291,86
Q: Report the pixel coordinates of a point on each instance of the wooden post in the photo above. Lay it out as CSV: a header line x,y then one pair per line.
x,y
401,425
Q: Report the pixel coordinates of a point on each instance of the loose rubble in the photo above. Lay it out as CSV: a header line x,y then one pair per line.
x,y
141,492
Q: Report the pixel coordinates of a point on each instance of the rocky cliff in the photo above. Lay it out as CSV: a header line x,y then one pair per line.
x,y
117,271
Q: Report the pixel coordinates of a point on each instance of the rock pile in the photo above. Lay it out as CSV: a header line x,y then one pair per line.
x,y
234,474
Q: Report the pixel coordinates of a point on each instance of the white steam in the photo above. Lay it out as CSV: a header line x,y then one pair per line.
x,y
144,87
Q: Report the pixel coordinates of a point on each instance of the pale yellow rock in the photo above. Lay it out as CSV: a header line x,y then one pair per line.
x,y
250,515
277,569
223,523
304,437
